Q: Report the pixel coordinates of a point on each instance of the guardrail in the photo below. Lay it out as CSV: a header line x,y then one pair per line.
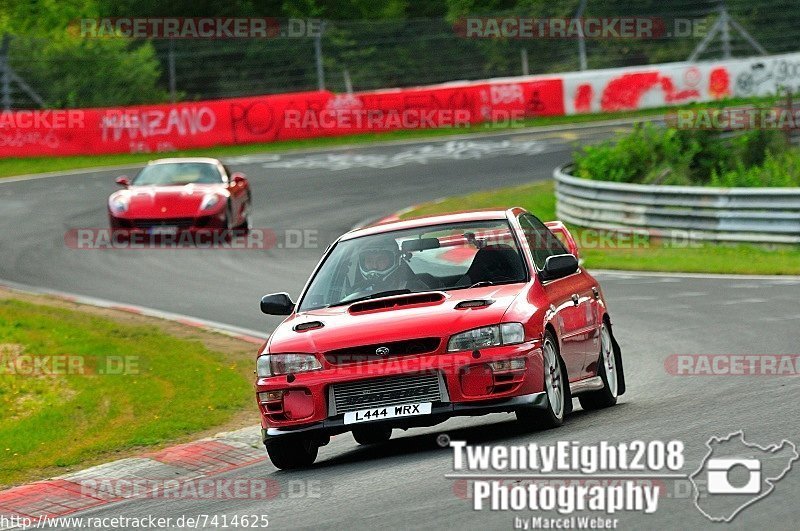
x,y
760,215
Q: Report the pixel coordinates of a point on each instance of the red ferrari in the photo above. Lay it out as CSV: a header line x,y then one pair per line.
x,y
170,196
409,323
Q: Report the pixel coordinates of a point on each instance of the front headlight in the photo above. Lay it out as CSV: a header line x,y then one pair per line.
x,y
118,205
277,364
488,336
209,201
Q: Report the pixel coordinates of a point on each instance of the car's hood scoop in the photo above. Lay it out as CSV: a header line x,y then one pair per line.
x,y
391,303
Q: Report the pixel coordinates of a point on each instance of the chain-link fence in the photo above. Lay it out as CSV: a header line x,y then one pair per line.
x,y
361,55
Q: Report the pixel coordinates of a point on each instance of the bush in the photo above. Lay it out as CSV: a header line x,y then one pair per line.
x,y
68,71
657,155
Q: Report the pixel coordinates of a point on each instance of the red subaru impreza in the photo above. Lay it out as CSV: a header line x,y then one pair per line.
x,y
409,323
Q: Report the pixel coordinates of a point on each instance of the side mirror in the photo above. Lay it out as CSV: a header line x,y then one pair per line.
x,y
238,178
277,304
123,181
558,266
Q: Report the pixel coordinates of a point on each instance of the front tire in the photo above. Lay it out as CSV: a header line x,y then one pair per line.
x,y
288,453
556,387
609,371
372,435
246,225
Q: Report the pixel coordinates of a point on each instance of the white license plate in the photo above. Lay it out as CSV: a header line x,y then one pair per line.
x,y
387,412
166,230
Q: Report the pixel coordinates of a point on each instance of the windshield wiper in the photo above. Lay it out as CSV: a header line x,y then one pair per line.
x,y
377,295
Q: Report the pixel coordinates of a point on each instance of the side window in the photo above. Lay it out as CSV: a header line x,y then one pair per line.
x,y
541,241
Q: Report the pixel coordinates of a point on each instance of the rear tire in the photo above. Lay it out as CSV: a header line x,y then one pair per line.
x,y
372,435
556,388
288,453
608,371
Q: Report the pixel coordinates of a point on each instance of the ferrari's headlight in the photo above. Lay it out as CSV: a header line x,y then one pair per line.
x,y
209,201
277,364
118,205
488,336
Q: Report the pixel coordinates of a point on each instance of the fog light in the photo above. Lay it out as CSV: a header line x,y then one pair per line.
x,y
298,404
508,365
476,380
270,396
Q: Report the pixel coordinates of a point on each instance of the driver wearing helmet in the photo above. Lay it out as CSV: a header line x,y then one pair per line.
x,y
381,268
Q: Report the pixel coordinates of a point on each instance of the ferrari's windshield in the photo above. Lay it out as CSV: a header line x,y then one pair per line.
x,y
440,257
177,173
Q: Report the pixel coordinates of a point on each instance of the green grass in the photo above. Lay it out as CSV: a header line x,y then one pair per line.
x,y
622,253
52,423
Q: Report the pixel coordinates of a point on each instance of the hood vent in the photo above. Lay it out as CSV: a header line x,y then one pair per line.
x,y
475,303
396,302
310,325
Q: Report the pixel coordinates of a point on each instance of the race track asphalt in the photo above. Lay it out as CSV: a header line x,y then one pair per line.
x,y
402,484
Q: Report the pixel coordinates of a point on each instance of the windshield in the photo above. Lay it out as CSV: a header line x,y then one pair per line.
x,y
441,257
178,173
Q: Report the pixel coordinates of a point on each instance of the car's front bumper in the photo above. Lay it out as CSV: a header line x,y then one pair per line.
x,y
440,413
144,224
457,398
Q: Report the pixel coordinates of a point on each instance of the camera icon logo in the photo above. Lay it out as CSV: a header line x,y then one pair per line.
x,y
718,481
735,474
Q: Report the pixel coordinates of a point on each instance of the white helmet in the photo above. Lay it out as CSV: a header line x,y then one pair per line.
x,y
379,259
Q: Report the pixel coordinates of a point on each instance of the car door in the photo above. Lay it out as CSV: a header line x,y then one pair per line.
x,y
571,299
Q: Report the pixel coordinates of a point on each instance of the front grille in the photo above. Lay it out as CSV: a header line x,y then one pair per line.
x,y
381,392
181,223
395,348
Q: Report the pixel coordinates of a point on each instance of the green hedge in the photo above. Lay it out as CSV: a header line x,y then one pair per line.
x,y
658,155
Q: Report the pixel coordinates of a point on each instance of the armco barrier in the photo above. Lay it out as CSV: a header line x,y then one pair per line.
x,y
164,128
760,215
